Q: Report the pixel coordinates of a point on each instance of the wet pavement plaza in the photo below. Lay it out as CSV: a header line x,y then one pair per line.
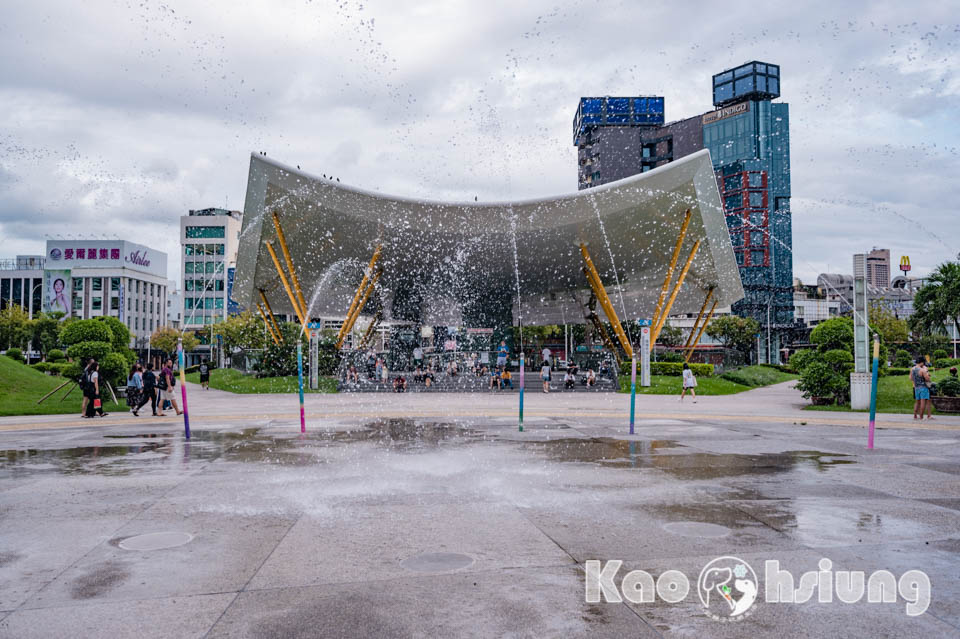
x,y
407,527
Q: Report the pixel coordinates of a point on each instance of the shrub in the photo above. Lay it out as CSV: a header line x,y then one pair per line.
x,y
818,379
72,370
43,367
114,368
669,356
902,359
940,354
120,334
800,359
898,371
840,361
949,387
15,354
833,334
60,368
83,351
56,355
946,362
86,331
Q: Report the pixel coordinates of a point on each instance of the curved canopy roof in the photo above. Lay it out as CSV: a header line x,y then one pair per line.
x,y
443,256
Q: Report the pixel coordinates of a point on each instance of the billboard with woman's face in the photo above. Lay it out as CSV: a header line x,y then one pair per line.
x,y
56,291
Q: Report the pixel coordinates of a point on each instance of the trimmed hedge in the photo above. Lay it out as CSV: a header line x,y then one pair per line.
x,y
83,351
15,354
946,362
56,355
43,367
897,370
674,369
783,368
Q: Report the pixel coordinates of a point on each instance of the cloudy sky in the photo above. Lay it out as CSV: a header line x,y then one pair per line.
x,y
119,116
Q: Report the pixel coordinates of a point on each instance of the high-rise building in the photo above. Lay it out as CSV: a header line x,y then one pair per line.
x,y
749,141
92,278
209,239
878,267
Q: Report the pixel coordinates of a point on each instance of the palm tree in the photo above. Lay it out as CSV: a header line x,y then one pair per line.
x,y
938,302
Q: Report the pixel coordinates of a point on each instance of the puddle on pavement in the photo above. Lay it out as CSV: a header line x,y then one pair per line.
x,y
661,455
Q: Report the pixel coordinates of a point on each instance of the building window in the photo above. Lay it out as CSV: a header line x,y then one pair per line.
x,y
220,249
77,303
114,303
78,283
188,249
114,283
194,232
96,303
97,284
138,287
151,290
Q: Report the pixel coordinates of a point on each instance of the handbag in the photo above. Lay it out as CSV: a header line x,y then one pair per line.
x,y
96,404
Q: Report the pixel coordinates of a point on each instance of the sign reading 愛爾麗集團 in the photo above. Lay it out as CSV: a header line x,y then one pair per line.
x,y
726,112
105,254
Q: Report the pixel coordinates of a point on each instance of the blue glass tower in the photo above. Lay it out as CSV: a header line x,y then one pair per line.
x,y
749,140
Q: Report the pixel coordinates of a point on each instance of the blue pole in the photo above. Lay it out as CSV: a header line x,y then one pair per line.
x,y
873,390
521,392
183,389
303,423
633,390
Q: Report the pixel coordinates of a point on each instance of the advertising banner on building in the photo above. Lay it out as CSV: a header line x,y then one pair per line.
x,y
56,291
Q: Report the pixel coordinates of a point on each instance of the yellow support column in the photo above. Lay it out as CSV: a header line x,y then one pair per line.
x,y
368,334
267,324
702,328
597,285
605,336
665,311
673,265
352,318
286,284
360,290
696,324
289,260
273,320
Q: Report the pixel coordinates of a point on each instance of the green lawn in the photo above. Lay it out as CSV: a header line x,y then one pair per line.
x,y
21,387
894,394
228,379
745,379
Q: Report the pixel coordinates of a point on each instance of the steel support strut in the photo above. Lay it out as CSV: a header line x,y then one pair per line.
x,y
293,273
371,330
696,324
266,321
594,279
360,290
702,328
273,320
665,311
352,318
673,265
286,284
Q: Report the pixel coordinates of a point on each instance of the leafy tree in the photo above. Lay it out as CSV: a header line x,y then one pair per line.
x,y
14,327
84,351
884,322
121,334
834,333
738,333
244,330
165,339
281,359
670,335
89,330
800,359
927,344
45,332
902,359
938,302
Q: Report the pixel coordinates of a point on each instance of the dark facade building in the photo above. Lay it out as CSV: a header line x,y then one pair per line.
x,y
749,141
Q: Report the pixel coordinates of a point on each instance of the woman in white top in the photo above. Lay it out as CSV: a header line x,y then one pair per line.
x,y
545,376
689,383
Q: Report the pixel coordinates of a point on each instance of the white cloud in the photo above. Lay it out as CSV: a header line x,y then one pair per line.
x,y
119,119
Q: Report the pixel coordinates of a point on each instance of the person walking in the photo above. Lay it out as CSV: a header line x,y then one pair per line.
x,y
920,378
149,392
94,406
545,375
205,375
84,384
689,383
166,390
134,389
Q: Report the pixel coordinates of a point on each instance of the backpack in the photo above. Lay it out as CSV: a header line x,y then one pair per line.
x,y
84,381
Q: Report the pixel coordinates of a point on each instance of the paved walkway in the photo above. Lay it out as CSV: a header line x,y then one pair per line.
x,y
778,403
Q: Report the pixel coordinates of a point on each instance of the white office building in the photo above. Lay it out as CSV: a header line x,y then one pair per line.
x,y
209,239
92,278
